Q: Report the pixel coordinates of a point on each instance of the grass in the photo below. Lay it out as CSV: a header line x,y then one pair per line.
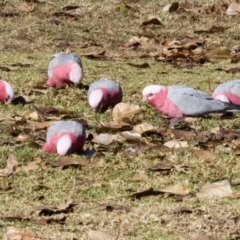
x,y
33,38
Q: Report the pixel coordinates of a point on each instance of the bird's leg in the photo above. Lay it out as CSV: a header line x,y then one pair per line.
x,y
175,121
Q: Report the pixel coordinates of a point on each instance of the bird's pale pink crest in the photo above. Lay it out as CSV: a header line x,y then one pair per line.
x,y
221,97
95,98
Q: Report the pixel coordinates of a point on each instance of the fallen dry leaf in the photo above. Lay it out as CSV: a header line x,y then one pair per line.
x,y
24,7
30,167
14,215
177,189
176,144
217,189
65,162
230,70
50,210
99,235
161,168
111,208
24,138
51,220
140,177
124,112
143,127
152,20
205,154
233,9
33,116
145,193
11,166
172,7
112,127
197,236
105,138
219,54
40,125
132,136
143,65
213,29
71,11
181,134
14,233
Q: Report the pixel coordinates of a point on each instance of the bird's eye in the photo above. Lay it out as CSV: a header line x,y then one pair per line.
x,y
8,97
150,94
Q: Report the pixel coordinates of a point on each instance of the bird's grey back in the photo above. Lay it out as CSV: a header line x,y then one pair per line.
x,y
65,126
193,102
62,59
111,85
230,86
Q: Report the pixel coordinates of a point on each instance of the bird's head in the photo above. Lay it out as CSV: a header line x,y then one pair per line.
x,y
222,98
95,98
64,144
149,91
9,90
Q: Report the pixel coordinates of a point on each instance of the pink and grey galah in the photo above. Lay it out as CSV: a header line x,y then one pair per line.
x,y
179,102
65,137
228,92
6,91
64,69
103,94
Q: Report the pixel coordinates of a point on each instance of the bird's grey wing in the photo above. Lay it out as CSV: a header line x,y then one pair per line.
x,y
53,63
235,87
76,58
230,86
65,126
195,103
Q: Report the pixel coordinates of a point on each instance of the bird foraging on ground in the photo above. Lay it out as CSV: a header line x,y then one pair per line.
x,y
65,137
6,91
64,69
179,102
103,94
228,92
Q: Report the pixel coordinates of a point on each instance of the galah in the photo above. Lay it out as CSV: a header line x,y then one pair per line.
x,y
64,69
228,92
180,101
6,91
103,94
65,137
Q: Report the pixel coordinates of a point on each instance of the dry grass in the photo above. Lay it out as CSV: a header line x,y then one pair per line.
x,y
33,38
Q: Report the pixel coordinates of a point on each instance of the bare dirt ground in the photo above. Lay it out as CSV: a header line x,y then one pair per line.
x,y
132,188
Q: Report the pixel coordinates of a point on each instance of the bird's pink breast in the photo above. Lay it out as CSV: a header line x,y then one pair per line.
x,y
110,99
233,98
60,77
3,94
163,103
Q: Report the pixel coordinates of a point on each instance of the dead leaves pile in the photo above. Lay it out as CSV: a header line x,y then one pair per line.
x,y
184,51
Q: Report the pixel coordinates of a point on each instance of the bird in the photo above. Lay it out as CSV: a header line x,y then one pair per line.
x,y
104,93
228,92
179,102
65,137
6,91
65,69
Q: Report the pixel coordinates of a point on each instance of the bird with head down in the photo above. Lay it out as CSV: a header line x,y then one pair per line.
x,y
103,94
64,69
65,137
6,91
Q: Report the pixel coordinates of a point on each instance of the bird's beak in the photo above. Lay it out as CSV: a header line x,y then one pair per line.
x,y
144,99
